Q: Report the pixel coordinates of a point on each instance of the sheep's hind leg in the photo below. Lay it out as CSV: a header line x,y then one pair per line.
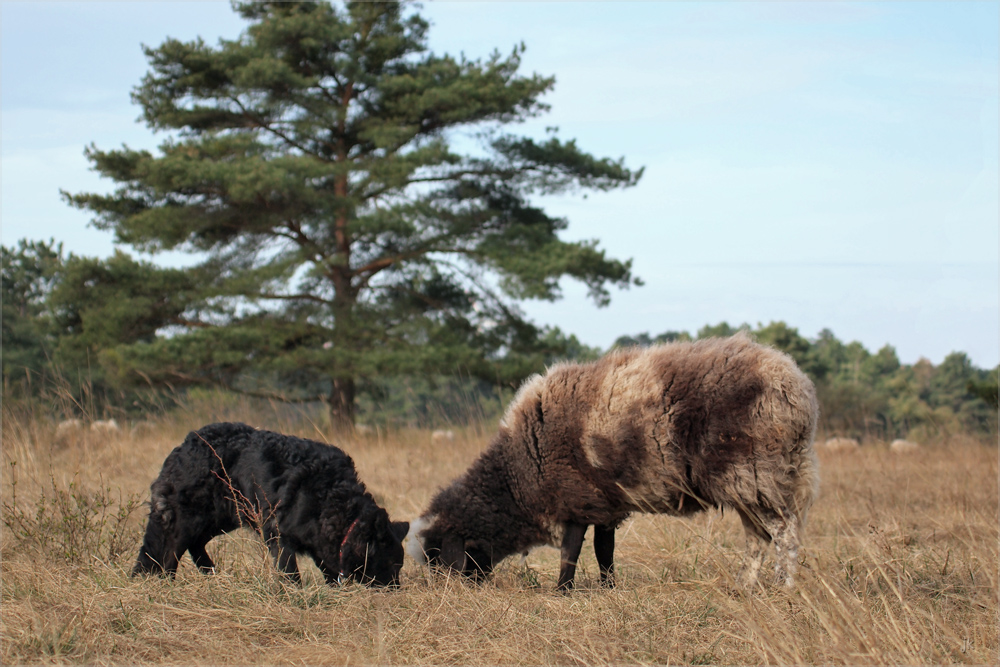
x,y
604,549
785,532
572,543
757,542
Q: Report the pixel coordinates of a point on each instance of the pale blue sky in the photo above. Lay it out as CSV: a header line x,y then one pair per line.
x,y
827,164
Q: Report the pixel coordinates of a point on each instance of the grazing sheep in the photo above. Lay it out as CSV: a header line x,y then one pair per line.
x,y
68,431
672,429
105,427
841,445
903,447
302,496
441,437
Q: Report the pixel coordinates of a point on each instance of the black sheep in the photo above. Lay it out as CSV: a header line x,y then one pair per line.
x,y
302,496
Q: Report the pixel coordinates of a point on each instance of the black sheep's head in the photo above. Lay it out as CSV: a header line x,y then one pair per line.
x,y
371,551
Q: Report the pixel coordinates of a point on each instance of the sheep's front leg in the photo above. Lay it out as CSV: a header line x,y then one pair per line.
x,y
201,557
572,543
286,562
283,555
604,549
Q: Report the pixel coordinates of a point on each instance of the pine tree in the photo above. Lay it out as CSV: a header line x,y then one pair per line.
x,y
312,166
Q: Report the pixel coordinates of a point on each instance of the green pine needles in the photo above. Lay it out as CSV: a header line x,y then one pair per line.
x,y
311,166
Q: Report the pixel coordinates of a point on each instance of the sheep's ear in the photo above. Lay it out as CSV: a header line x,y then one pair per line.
x,y
453,552
399,529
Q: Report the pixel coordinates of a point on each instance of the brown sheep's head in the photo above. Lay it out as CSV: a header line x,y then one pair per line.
x,y
433,544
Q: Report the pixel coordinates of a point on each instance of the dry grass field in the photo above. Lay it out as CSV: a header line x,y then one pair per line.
x,y
900,566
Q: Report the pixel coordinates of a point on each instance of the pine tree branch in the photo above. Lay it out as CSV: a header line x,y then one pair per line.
x,y
381,264
373,268
291,297
196,324
500,304
299,237
258,122
504,173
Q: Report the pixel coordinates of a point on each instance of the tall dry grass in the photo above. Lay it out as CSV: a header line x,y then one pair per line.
x,y
900,566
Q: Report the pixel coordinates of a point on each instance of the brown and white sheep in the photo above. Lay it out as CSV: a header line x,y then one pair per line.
x,y
671,429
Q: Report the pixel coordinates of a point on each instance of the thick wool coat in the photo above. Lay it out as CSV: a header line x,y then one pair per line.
x,y
668,429
303,496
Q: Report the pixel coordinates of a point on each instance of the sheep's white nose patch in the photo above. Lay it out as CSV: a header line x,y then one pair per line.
x,y
412,543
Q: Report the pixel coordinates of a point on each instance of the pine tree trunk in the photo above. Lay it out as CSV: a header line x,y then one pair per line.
x,y
342,405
